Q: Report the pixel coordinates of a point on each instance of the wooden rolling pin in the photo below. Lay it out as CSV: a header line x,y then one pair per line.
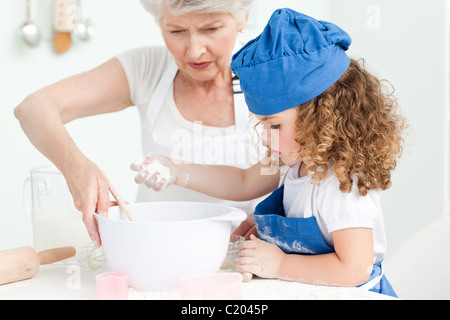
x,y
23,263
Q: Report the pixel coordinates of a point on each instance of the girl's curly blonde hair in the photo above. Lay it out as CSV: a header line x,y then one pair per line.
x,y
352,128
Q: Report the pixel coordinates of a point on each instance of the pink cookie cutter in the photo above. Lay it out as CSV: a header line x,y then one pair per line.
x,y
216,286
112,286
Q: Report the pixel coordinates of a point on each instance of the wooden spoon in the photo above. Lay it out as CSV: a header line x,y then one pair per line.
x,y
122,204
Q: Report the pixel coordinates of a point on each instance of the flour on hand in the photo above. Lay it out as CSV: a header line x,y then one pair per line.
x,y
157,168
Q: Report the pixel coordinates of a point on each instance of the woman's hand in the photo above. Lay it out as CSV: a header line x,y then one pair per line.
x,y
247,228
260,258
43,115
90,192
158,172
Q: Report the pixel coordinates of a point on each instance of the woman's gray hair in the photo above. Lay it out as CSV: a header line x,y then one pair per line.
x,y
238,8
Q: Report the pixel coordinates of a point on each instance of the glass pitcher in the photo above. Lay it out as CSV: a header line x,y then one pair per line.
x,y
55,220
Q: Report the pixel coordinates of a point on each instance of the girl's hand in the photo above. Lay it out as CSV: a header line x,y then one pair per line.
x,y
158,172
260,258
247,228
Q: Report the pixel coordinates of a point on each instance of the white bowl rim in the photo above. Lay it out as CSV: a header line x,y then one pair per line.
x,y
102,218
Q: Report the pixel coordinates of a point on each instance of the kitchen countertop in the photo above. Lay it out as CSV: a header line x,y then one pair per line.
x,y
72,282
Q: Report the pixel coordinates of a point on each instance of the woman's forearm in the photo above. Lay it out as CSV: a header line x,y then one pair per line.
x,y
41,121
43,114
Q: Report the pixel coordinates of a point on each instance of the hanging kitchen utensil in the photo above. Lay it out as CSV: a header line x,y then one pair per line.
x,y
84,28
64,21
23,263
30,32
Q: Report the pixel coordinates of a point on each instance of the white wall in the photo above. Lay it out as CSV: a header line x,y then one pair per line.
x,y
407,43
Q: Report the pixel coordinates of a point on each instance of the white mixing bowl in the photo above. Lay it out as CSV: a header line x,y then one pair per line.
x,y
168,240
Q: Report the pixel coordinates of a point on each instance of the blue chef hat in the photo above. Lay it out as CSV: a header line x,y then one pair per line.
x,y
294,60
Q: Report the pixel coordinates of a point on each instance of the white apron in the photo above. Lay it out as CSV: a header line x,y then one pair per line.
x,y
230,149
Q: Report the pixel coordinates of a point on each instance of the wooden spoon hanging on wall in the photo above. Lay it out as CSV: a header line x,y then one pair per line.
x,y
64,20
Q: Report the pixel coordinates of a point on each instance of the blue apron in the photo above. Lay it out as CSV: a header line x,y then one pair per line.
x,y
303,236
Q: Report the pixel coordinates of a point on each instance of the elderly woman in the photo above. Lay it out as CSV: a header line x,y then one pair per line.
x,y
188,103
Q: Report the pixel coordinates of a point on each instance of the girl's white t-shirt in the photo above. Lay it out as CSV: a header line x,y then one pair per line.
x,y
334,209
